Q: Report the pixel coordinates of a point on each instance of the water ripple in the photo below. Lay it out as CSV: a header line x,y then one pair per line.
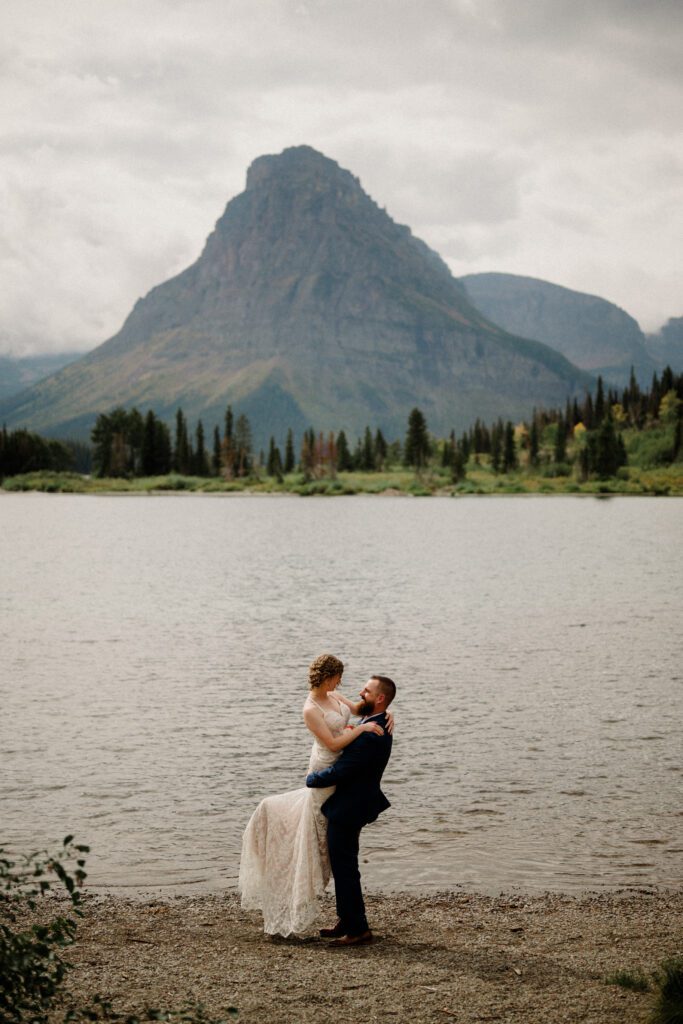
x,y
154,666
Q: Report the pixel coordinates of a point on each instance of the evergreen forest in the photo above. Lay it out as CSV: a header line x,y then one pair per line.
x,y
621,441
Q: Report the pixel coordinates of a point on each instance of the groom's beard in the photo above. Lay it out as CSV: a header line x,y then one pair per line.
x,y
366,709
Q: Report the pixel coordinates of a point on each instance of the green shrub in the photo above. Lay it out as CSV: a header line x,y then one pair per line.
x,y
31,966
668,1008
45,480
636,981
176,482
556,469
650,448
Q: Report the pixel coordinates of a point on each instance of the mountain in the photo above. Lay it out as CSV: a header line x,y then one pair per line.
x,y
308,305
16,374
666,347
591,332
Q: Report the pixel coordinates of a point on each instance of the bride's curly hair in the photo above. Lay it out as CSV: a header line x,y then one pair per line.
x,y
324,667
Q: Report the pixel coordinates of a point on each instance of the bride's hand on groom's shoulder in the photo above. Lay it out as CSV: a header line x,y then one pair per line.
x,y
373,727
390,722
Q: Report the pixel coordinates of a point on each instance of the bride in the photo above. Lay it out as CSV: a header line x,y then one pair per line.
x,y
284,866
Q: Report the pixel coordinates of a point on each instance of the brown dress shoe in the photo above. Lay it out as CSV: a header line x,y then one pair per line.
x,y
354,940
333,933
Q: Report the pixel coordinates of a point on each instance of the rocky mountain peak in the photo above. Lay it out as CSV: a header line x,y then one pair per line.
x,y
308,306
297,167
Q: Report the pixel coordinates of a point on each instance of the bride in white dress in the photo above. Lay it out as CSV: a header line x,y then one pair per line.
x,y
285,866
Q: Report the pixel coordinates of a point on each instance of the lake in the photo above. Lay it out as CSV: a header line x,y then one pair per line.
x,y
154,665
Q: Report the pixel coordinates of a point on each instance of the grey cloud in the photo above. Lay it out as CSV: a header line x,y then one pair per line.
x,y
497,131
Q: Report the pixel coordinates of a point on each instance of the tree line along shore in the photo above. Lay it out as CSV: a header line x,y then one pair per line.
x,y
620,442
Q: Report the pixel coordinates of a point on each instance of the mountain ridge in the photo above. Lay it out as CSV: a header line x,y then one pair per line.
x,y
593,333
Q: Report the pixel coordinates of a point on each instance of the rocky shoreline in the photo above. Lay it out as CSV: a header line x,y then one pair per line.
x,y
446,957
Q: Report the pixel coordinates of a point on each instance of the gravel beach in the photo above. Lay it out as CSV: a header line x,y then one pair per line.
x,y
446,957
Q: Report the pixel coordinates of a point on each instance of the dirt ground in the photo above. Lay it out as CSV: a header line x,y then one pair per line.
x,y
447,957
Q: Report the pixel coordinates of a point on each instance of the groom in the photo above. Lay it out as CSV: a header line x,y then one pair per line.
x,y
356,802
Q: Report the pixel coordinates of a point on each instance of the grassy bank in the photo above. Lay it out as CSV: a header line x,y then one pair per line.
x,y
480,479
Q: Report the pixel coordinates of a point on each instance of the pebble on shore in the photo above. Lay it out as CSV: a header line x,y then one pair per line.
x,y
446,957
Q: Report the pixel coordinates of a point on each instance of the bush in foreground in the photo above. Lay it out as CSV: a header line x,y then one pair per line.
x,y
668,1008
32,968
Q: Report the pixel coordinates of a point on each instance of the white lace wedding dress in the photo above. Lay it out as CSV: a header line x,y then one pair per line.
x,y
285,866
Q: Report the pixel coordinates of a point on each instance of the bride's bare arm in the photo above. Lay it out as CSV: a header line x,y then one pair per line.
x,y
355,707
315,721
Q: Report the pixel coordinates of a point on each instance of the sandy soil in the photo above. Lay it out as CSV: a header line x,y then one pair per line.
x,y
448,957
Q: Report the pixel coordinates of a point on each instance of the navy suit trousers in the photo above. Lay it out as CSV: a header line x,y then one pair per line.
x,y
342,842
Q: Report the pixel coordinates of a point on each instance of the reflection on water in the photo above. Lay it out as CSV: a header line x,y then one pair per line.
x,y
154,656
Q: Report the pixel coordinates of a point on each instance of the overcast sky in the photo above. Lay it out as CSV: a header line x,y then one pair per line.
x,y
538,137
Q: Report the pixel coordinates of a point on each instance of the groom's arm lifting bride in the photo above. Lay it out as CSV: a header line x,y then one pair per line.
x,y
356,802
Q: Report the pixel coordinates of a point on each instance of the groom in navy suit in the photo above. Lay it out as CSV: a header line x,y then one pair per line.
x,y
356,802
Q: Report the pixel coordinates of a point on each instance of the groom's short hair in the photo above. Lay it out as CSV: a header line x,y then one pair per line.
x,y
388,687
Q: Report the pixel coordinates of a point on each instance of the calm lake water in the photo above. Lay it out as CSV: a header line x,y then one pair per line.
x,y
154,663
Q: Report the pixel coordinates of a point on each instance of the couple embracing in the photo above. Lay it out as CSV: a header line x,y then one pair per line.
x,y
295,840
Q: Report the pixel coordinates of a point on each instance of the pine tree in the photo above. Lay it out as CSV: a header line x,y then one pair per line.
x,y
458,463
587,413
162,448
181,448
331,454
227,433
497,446
509,450
274,463
201,464
367,452
606,452
381,450
560,453
599,403
477,437
533,442
418,446
307,454
654,397
243,445
357,457
344,458
216,456
149,453
290,460
465,446
229,460
101,437
134,432
448,451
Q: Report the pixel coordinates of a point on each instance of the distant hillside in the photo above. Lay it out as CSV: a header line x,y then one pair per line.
x,y
308,305
591,332
666,347
18,374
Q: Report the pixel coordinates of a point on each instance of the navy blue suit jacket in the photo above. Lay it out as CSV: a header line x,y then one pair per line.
x,y
357,773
